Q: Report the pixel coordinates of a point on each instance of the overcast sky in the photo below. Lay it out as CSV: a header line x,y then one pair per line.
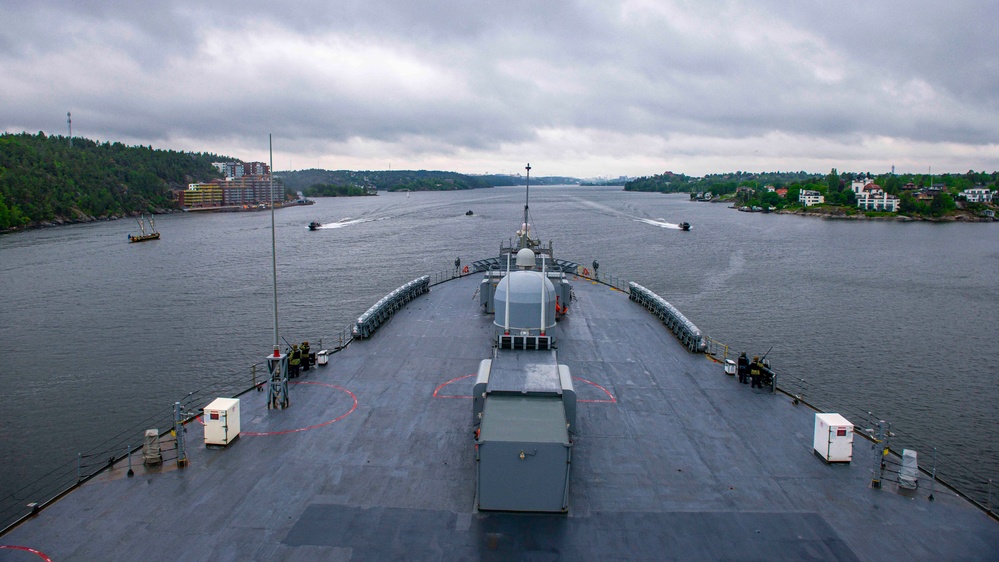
x,y
602,88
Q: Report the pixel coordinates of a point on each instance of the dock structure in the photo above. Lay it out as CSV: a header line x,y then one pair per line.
x,y
671,459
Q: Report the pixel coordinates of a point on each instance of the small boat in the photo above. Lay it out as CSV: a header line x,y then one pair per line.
x,y
684,226
469,213
151,235
314,225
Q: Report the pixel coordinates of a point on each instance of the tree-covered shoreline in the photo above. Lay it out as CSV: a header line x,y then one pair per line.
x,y
336,181
44,179
761,190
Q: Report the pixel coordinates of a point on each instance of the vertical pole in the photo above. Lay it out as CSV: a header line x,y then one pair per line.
x,y
131,472
69,122
253,373
543,294
506,312
178,429
990,495
524,235
933,475
270,186
79,467
878,454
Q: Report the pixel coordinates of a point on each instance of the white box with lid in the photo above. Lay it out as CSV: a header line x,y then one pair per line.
x,y
833,438
221,421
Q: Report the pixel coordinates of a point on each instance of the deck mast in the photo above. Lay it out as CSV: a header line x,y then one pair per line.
x,y
277,364
525,236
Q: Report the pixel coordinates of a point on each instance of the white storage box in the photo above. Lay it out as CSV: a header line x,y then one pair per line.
x,y
323,357
908,474
221,421
833,438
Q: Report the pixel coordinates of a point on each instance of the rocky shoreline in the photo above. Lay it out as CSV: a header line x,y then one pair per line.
x,y
841,214
81,219
957,216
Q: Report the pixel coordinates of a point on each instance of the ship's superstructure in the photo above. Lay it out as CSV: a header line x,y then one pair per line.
x,y
524,404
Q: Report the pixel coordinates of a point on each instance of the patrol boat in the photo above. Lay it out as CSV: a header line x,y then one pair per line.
x,y
520,411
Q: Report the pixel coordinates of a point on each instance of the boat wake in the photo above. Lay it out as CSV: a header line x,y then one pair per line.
x,y
609,211
347,221
661,223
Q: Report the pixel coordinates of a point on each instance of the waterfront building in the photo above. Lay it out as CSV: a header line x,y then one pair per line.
x,y
978,195
858,185
201,195
232,192
877,200
242,169
250,190
808,197
926,194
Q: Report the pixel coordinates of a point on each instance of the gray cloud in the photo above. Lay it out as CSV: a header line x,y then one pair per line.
x,y
459,83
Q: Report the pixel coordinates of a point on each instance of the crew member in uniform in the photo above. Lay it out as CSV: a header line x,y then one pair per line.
x,y
743,368
306,357
294,361
755,373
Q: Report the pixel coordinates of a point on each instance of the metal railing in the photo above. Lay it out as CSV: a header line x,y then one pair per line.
x,y
382,310
60,480
684,330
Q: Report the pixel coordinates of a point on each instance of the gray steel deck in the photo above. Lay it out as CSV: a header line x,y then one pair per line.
x,y
683,463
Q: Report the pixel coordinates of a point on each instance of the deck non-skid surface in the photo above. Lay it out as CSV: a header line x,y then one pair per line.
x,y
679,461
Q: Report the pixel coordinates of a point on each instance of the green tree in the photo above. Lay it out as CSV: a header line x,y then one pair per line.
x,y
832,182
849,197
942,203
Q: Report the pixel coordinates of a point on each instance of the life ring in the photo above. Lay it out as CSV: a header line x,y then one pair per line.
x,y
465,270
586,271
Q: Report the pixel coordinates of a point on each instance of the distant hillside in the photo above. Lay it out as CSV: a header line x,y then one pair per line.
x,y
43,180
498,180
668,182
310,181
720,184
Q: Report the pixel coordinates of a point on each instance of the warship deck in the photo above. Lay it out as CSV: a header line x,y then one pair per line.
x,y
374,460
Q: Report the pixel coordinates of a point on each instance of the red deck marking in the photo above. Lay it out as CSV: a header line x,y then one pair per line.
x,y
610,397
456,379
259,433
37,553
296,430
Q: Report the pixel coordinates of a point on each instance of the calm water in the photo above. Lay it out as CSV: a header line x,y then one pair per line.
x,y
101,336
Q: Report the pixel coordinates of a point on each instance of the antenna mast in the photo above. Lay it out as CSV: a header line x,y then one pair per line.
x,y
527,198
69,121
525,233
277,364
270,187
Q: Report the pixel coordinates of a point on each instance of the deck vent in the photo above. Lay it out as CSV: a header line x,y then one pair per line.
x,y
525,342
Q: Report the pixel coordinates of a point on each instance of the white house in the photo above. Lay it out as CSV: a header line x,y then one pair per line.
x,y
977,195
858,185
877,200
809,197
